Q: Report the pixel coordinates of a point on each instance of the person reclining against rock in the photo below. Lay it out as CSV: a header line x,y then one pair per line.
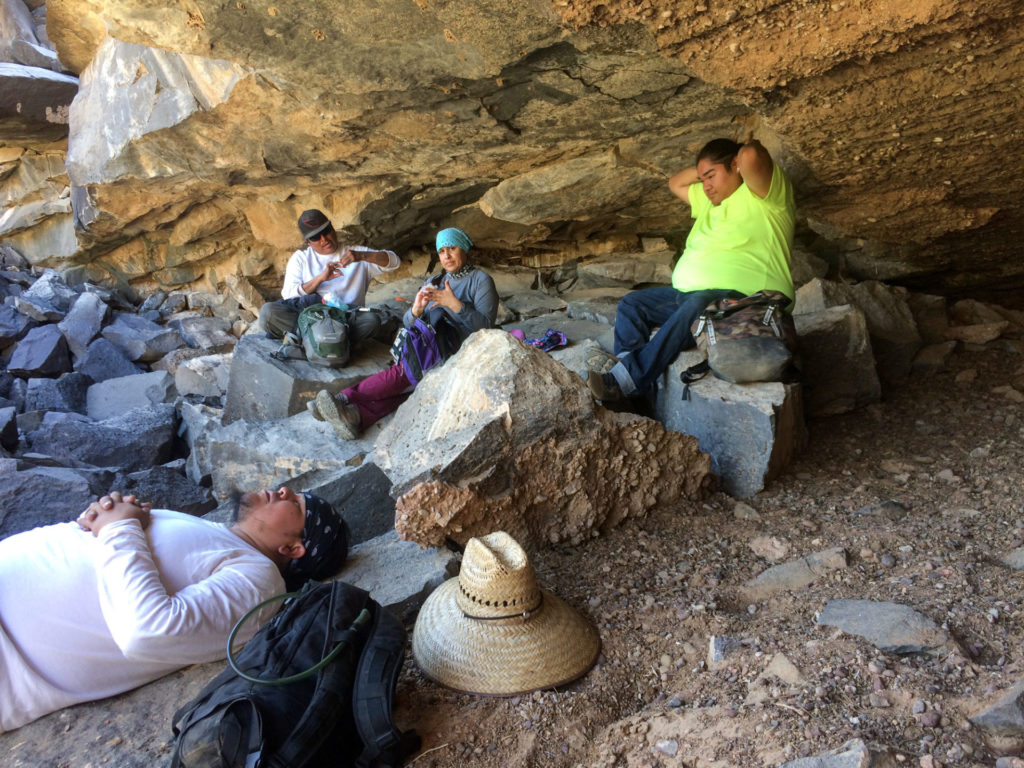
x,y
744,214
462,292
126,594
324,269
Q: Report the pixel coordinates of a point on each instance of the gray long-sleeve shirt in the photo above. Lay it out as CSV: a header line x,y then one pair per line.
x,y
479,300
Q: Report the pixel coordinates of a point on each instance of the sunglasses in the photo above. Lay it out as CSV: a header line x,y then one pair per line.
x,y
317,238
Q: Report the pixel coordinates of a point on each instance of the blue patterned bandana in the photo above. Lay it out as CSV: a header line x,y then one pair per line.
x,y
326,541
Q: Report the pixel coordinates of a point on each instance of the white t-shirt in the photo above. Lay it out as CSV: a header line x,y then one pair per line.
x,y
350,286
84,617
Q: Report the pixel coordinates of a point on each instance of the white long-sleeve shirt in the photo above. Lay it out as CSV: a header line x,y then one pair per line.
x,y
84,617
350,286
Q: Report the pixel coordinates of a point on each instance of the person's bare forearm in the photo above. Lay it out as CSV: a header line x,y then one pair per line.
x,y
679,184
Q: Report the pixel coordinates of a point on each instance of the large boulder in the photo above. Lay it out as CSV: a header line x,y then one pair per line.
x,y
836,361
83,322
142,339
43,352
113,397
751,431
503,437
134,440
261,387
894,335
31,496
104,360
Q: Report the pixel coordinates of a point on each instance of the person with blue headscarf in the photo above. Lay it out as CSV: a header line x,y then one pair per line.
x,y
462,296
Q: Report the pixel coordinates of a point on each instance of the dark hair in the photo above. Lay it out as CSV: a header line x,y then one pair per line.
x,y
235,499
719,151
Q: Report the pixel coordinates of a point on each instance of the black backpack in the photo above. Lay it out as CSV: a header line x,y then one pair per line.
x,y
314,687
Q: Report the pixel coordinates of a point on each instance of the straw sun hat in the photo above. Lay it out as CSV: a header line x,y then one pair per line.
x,y
494,631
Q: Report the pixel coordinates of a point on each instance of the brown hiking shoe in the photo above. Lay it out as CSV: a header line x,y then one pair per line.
x,y
344,417
603,387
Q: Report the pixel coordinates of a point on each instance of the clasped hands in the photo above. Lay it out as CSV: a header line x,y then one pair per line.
x,y
111,508
334,268
428,295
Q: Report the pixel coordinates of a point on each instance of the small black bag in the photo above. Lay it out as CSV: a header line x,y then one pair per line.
x,y
314,687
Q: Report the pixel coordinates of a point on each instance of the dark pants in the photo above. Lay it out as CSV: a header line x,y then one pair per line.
x,y
279,317
643,359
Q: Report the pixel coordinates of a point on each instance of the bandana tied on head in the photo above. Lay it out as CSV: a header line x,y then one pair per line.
x,y
325,538
453,237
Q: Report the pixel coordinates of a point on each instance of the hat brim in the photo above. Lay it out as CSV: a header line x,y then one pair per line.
x,y
504,657
318,230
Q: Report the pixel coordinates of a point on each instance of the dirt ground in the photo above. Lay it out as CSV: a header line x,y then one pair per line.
x,y
924,493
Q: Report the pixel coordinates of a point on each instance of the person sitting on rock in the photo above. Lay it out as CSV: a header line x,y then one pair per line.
x,y
744,214
325,270
461,293
126,593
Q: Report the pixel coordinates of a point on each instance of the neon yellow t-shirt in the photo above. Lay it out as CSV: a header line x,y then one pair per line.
x,y
741,245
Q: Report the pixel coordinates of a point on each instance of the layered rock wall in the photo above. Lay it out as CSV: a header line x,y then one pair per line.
x,y
545,129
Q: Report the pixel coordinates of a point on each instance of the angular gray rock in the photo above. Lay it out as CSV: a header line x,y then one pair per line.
x,y
932,358
43,352
9,427
83,322
142,339
398,574
1014,559
263,388
114,397
583,356
1003,721
794,574
890,627
205,376
836,361
210,334
751,431
167,487
534,304
299,451
50,289
13,325
894,335
501,437
34,496
853,754
631,268
363,497
136,440
930,315
105,360
66,393
597,309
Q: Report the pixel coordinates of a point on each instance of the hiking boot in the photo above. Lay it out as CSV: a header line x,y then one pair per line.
x,y
603,387
344,417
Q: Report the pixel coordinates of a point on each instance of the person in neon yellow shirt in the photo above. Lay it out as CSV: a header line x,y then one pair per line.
x,y
744,215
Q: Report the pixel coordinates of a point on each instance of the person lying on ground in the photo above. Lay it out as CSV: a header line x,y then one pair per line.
x,y
744,215
462,294
126,593
325,269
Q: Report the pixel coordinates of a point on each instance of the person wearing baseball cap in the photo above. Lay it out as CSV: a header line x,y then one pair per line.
x,y
326,270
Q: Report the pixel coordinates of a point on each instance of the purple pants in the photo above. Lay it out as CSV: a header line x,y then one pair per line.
x,y
378,395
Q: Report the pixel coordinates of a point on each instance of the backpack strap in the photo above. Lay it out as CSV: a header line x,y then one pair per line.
x,y
692,374
319,718
374,692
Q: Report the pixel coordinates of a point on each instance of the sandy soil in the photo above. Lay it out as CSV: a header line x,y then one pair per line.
x,y
924,493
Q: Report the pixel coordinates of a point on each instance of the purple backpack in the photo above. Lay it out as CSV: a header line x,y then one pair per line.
x,y
417,349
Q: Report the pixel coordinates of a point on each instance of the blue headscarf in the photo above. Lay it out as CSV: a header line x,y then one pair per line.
x,y
453,236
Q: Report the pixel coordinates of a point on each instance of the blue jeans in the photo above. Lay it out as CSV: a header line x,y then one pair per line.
x,y
644,359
